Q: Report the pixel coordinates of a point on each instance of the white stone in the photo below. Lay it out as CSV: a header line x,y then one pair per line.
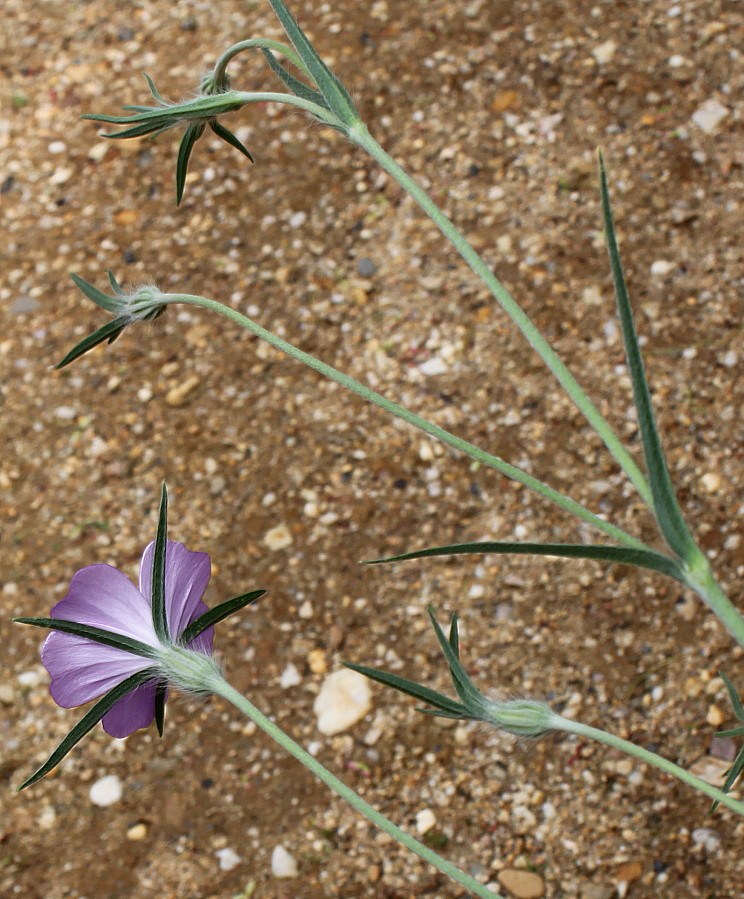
x,y
282,863
425,820
433,366
106,791
279,537
604,52
57,147
290,677
297,219
661,267
709,116
706,838
29,678
228,859
344,699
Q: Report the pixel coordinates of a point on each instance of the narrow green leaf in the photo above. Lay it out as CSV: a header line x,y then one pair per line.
x,y
115,286
454,637
666,507
191,136
733,696
154,91
217,614
161,692
335,94
159,619
110,331
733,772
97,634
640,558
411,688
89,721
734,732
467,692
97,296
230,138
298,88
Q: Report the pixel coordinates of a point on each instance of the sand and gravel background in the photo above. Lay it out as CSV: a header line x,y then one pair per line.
x,y
497,109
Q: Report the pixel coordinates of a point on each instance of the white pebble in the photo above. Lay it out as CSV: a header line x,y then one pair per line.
x,y
57,146
344,699
425,820
282,863
106,791
228,859
279,537
297,219
29,678
709,116
604,52
706,838
661,267
433,366
290,677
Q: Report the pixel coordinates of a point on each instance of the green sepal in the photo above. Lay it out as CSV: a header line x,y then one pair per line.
x,y
335,94
97,634
442,704
89,721
230,138
738,765
217,614
161,692
154,91
110,304
110,331
159,618
191,136
666,507
298,88
640,558
468,693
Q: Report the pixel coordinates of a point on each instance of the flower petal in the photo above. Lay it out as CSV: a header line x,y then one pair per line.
x,y
187,574
82,670
102,596
132,712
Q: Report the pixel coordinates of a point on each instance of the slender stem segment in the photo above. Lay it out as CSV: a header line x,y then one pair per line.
x,y
411,418
361,136
699,577
260,44
224,689
601,736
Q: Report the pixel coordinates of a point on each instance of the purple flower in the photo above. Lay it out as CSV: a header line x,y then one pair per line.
x,y
102,597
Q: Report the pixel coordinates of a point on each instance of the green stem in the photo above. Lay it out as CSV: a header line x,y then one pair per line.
x,y
411,418
261,44
699,577
361,136
292,100
222,688
601,736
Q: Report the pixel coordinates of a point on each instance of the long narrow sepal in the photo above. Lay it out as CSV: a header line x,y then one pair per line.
x,y
738,765
640,558
468,693
100,298
336,96
217,614
666,507
89,721
230,138
298,88
97,634
109,332
190,137
161,693
159,620
442,704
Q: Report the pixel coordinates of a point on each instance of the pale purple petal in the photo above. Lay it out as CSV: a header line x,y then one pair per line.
x,y
187,574
82,670
132,712
102,596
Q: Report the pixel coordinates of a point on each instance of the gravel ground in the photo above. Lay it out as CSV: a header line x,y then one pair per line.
x,y
496,108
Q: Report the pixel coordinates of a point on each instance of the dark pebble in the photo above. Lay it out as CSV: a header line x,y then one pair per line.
x,y
365,267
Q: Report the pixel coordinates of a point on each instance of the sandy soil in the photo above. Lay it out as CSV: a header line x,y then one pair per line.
x,y
497,108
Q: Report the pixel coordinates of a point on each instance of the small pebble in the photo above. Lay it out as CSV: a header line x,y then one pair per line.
x,y
522,884
366,267
29,678
137,832
106,791
715,716
282,863
711,482
425,821
297,219
604,52
705,838
433,366
290,677
344,699
228,859
709,116
661,267
279,537
57,146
